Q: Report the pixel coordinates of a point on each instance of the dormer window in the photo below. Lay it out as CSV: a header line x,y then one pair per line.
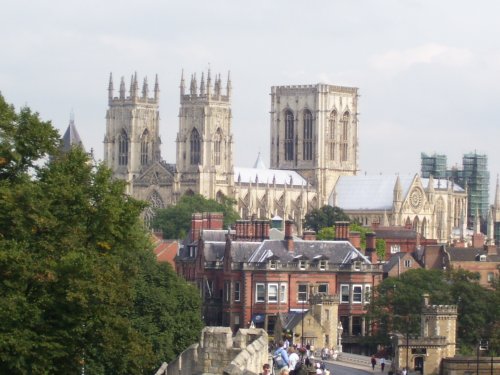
x,y
302,264
272,264
357,266
322,265
482,258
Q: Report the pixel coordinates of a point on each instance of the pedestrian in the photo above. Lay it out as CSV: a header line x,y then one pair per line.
x,y
293,358
374,362
382,363
404,372
266,369
280,357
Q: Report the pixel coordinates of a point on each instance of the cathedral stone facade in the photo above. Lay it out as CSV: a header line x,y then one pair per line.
x,y
313,142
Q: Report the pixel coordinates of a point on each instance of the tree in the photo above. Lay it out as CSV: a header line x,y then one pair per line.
x,y
76,265
175,221
395,299
325,216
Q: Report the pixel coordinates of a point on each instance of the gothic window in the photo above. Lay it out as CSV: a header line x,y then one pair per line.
x,y
145,147
440,218
344,137
123,148
195,147
308,136
289,123
155,202
331,134
217,144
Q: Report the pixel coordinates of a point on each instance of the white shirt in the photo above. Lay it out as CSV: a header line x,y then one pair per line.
x,y
293,359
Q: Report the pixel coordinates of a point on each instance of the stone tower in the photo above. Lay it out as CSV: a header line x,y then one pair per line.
x,y
132,140
205,139
314,130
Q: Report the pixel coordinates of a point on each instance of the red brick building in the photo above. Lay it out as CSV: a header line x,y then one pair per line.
x,y
246,277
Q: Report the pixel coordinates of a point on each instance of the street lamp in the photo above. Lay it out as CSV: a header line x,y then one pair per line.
x,y
340,329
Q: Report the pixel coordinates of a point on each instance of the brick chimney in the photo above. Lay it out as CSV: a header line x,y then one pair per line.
x,y
342,230
196,226
265,230
309,235
289,235
215,220
477,240
371,241
355,239
491,249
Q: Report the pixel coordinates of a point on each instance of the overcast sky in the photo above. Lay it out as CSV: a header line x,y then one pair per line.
x,y
428,71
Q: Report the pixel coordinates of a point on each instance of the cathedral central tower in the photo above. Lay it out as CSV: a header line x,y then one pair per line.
x,y
314,131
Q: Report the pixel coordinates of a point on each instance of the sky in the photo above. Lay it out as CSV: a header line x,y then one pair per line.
x,y
428,71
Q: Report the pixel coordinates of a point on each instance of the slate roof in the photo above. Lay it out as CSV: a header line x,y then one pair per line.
x,y
377,192
213,235
214,251
71,137
264,176
336,252
395,233
470,254
291,319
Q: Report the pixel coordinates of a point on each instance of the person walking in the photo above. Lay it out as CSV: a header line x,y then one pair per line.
x,y
382,363
374,362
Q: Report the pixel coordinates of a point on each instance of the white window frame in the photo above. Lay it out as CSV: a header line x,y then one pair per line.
x,y
283,294
357,295
237,291
262,288
396,248
344,291
270,294
407,263
490,277
322,265
227,294
357,265
302,264
272,264
299,293
236,320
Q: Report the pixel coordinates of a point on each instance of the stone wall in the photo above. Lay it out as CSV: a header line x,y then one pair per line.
x,y
470,365
218,352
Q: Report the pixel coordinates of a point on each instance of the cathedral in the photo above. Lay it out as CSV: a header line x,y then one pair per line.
x,y
314,140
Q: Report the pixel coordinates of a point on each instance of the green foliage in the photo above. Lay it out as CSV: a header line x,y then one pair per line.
x,y
325,216
175,221
396,305
356,227
326,234
380,245
80,286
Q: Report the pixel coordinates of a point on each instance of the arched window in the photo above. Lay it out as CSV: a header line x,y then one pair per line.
x,y
145,147
217,146
123,148
332,122
345,136
440,224
195,147
155,202
289,123
308,136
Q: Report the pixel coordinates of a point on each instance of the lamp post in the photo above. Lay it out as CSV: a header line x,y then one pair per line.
x,y
340,329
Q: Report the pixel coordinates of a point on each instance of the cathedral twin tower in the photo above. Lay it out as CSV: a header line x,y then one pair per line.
x,y
314,138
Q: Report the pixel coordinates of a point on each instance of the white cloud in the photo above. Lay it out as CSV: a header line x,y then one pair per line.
x,y
430,53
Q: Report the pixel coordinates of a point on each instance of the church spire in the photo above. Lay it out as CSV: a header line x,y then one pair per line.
x,y
182,86
398,191
490,232
157,89
229,85
202,84
110,87
209,84
122,88
477,222
496,204
145,88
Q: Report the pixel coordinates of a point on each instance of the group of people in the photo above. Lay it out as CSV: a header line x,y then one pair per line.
x,y
287,361
374,363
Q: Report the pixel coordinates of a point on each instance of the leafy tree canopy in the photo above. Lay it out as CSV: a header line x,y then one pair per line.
x,y
325,216
175,221
81,288
396,305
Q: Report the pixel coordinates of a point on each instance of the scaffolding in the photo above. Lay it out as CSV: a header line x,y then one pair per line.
x,y
433,165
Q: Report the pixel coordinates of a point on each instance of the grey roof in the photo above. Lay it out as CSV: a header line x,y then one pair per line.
x,y
242,251
291,319
214,251
395,232
259,163
337,252
214,235
470,254
71,137
377,192
264,176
